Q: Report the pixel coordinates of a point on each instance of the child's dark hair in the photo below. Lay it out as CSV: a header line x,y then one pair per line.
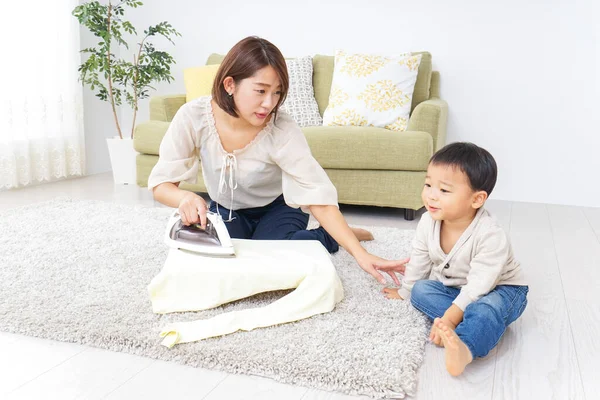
x,y
477,163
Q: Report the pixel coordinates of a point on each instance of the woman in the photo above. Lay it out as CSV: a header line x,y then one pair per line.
x,y
256,163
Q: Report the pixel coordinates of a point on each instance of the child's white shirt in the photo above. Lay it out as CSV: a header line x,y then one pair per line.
x,y
481,259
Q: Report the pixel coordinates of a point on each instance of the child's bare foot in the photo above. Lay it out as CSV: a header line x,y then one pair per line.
x,y
391,293
434,336
458,355
362,235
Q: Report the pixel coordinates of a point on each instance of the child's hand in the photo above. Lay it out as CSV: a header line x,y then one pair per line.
x,y
391,293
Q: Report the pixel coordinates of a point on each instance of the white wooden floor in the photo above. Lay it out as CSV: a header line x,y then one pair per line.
x,y
550,353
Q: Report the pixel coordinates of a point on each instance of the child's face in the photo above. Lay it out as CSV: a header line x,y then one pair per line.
x,y
447,194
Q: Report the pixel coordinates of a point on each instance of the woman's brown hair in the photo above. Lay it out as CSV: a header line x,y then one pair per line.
x,y
242,61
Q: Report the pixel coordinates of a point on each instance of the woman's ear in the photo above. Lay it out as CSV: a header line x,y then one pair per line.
x,y
479,199
229,85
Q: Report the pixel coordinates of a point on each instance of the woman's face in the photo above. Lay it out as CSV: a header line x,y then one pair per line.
x,y
256,97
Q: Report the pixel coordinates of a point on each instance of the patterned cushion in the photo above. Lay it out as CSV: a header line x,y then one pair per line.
x,y
300,102
372,90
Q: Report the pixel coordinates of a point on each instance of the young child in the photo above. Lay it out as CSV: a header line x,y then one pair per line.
x,y
462,273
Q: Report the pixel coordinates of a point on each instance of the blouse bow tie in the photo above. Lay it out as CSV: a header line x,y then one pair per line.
x,y
228,170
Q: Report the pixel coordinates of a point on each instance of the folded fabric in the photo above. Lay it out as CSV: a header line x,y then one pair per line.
x,y
192,282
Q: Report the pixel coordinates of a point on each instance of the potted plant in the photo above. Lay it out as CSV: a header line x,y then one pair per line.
x,y
115,79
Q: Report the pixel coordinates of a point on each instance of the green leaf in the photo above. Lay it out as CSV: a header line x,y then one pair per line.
x,y
116,79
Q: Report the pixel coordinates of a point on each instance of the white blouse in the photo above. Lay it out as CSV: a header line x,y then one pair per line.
x,y
277,161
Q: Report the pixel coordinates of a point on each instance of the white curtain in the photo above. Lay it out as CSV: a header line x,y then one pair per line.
x,y
41,110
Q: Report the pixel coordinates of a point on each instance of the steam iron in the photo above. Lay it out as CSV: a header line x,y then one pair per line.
x,y
214,241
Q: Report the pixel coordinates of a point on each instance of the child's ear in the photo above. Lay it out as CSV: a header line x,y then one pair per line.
x,y
479,199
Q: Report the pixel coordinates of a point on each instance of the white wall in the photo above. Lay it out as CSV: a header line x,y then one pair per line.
x,y
520,76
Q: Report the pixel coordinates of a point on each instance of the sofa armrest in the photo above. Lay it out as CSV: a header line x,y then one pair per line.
x,y
148,135
163,108
431,116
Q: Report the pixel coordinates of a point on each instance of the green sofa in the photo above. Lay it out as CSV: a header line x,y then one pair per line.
x,y
368,165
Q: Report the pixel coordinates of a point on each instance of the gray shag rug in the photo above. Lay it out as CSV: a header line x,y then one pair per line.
x,y
77,271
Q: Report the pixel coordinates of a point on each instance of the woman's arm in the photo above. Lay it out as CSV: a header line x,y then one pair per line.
x,y
178,162
192,207
306,184
168,194
335,224
332,220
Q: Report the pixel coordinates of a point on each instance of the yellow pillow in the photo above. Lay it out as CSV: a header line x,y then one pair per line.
x,y
199,81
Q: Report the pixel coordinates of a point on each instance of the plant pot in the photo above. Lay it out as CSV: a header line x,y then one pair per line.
x,y
122,160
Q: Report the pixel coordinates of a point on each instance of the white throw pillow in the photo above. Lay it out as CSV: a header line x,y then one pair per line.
x,y
372,90
300,102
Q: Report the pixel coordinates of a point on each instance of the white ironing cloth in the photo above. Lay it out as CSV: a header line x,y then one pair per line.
x,y
191,282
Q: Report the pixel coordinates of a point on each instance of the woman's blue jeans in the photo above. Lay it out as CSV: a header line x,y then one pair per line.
x,y
275,221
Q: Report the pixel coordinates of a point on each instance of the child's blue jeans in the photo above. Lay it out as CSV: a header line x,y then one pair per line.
x,y
484,320
275,221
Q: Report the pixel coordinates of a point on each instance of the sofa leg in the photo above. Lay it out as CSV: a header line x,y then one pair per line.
x,y
409,214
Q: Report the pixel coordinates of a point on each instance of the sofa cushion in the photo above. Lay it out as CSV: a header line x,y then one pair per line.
x,y
148,135
372,90
199,81
300,102
352,147
323,76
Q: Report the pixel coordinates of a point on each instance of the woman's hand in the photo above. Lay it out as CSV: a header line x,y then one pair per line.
x,y
192,209
334,223
372,265
391,267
